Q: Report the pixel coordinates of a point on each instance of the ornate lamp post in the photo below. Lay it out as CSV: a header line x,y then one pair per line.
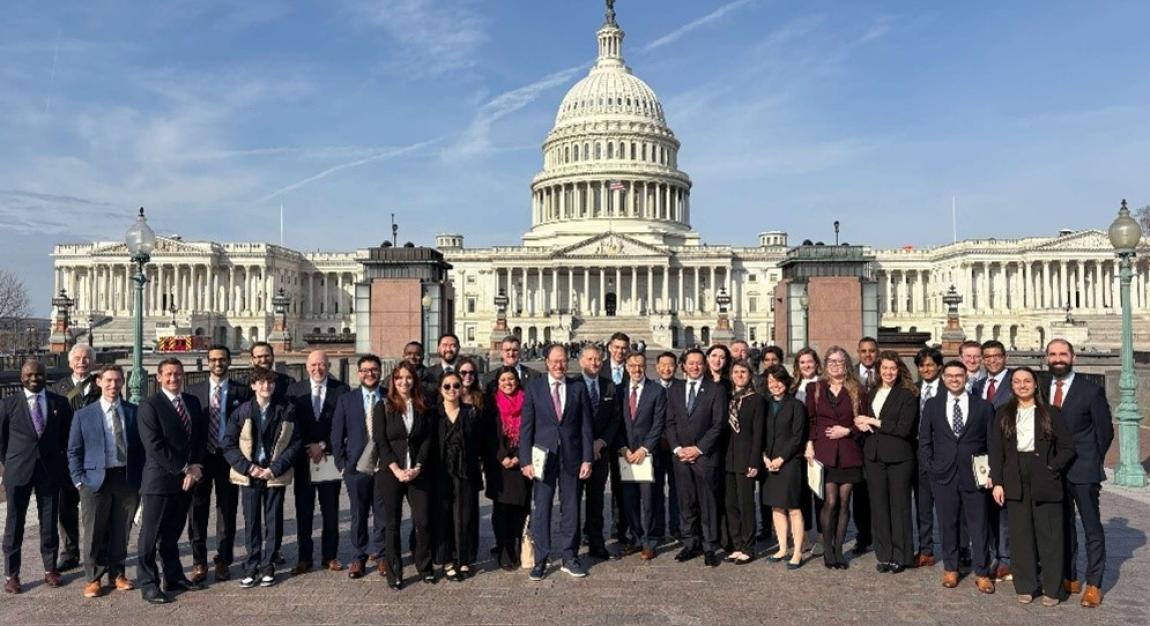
x,y
141,241
723,331
91,328
63,304
280,337
1125,233
425,304
32,343
952,334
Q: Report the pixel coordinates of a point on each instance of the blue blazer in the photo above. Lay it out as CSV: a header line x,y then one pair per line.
x,y
947,456
349,429
1002,393
645,428
570,438
86,453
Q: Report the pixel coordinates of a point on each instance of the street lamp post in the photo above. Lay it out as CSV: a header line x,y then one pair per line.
x,y
1125,234
91,327
425,305
141,240
60,336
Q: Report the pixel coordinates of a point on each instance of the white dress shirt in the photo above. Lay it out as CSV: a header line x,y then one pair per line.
x,y
963,406
999,379
1024,429
408,424
110,433
562,391
1066,382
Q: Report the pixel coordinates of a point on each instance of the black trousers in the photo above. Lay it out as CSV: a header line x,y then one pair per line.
x,y
890,486
596,499
106,517
664,496
68,511
18,497
954,505
160,529
365,508
999,527
216,478
924,510
305,492
391,493
739,498
264,522
508,520
621,526
698,487
1084,498
860,512
456,521
1036,530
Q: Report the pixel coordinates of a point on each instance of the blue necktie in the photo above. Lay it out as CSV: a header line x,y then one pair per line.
x,y
691,398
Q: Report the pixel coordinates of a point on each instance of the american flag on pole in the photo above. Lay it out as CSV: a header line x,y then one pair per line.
x,y
616,185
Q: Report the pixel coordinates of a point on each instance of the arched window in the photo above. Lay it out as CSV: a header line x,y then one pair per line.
x,y
567,154
576,153
598,151
610,150
644,152
632,150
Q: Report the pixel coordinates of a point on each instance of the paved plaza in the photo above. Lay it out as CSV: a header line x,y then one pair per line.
x,y
627,591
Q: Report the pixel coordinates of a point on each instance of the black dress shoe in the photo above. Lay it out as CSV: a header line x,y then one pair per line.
x,y
155,596
897,568
710,559
601,553
686,554
842,565
182,584
429,578
67,564
882,568
860,549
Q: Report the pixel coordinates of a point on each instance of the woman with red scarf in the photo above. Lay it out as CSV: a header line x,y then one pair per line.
x,y
509,490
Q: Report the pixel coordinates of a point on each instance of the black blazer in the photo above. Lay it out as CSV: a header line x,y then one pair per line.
x,y
645,428
607,417
22,450
948,457
238,393
1056,454
895,441
167,447
1086,413
278,415
393,442
745,448
315,428
473,444
67,388
785,433
704,427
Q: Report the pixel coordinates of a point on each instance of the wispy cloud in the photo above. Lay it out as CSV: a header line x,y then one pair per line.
x,y
709,18
435,36
32,212
385,154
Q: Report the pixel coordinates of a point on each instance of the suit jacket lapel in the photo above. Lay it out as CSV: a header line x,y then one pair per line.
x,y
703,386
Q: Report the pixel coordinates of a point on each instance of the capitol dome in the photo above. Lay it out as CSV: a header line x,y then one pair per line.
x,y
610,162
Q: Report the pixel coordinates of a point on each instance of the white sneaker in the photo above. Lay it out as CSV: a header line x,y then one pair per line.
x,y
267,580
247,582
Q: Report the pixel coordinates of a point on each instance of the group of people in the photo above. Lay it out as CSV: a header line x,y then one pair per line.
x,y
1006,460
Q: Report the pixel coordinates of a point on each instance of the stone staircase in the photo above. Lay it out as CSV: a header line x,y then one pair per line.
x,y
601,328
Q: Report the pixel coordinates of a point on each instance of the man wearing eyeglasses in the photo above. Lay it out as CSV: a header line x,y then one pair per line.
x,y
509,353
995,389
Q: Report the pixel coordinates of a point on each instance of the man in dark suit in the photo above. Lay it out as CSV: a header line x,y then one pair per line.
x,y
644,405
509,351
106,460
614,368
354,452
556,421
448,350
928,361
173,438
605,422
34,426
868,350
221,396
953,431
264,358
315,400
80,389
696,423
1087,414
995,388
666,496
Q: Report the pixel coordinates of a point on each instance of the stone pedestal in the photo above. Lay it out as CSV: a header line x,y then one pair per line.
x,y
1077,333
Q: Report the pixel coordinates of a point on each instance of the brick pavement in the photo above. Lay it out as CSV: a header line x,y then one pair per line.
x,y
628,591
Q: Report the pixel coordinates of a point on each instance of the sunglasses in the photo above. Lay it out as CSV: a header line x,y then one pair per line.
x,y
450,386
466,372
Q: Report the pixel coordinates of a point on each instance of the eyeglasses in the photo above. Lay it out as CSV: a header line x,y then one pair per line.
x,y
369,370
447,386
836,362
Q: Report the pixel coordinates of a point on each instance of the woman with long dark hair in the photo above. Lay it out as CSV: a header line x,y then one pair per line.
x,y
783,439
508,489
471,392
1030,446
745,412
458,444
719,364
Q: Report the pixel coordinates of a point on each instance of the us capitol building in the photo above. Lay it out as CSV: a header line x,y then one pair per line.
x,y
611,248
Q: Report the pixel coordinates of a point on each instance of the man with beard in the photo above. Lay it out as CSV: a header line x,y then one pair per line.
x,y
264,358
448,350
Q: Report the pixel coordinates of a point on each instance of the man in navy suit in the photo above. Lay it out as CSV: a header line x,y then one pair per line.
x,y
644,413
106,460
173,436
953,431
556,419
606,421
34,425
696,423
1086,412
354,453
995,388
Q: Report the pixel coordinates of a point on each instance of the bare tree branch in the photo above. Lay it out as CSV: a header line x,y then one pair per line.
x,y
13,296
1143,217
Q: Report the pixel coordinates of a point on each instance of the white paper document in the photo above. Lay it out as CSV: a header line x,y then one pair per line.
x,y
641,472
325,471
538,461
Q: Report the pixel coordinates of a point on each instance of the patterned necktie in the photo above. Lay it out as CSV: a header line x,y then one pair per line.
x,y
990,389
691,397
118,433
556,401
37,416
368,409
185,421
593,387
633,403
317,400
214,410
927,394
1058,394
956,422
617,374
869,378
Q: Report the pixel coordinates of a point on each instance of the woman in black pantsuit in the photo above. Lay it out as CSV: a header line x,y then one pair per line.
x,y
745,414
889,420
1029,447
458,479
508,489
784,438
402,431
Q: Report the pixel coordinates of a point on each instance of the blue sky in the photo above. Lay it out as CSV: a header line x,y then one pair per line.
x,y
792,114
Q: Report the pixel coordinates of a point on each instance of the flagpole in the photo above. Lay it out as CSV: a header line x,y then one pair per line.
x,y
954,217
281,223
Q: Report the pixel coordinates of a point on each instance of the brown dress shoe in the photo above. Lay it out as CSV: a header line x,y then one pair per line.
x,y
12,585
333,566
1002,574
93,589
123,584
381,567
53,579
984,584
199,573
647,554
356,569
222,572
950,579
1073,587
924,560
302,567
1092,597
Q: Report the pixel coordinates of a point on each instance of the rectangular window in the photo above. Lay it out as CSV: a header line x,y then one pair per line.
x,y
753,304
471,305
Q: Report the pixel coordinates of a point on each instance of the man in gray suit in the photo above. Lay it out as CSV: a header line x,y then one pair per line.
x,y
105,460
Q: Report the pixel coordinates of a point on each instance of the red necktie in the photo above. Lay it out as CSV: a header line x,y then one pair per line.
x,y
990,389
1058,394
633,404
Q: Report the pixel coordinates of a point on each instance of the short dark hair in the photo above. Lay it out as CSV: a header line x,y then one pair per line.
x,y
551,348
111,367
445,336
688,352
954,363
775,350
933,354
779,373
218,347
667,354
169,361
637,355
259,375
261,344
369,358
1069,346
511,339
868,339
992,344
413,343
620,337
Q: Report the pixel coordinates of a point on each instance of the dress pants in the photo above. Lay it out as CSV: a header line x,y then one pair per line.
x,y
391,493
507,521
160,529
665,497
954,505
305,492
890,485
1036,528
68,510
264,522
639,508
18,497
740,504
999,527
698,487
596,499
1084,498
618,517
542,496
456,521
364,505
106,517
860,512
217,474
924,510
